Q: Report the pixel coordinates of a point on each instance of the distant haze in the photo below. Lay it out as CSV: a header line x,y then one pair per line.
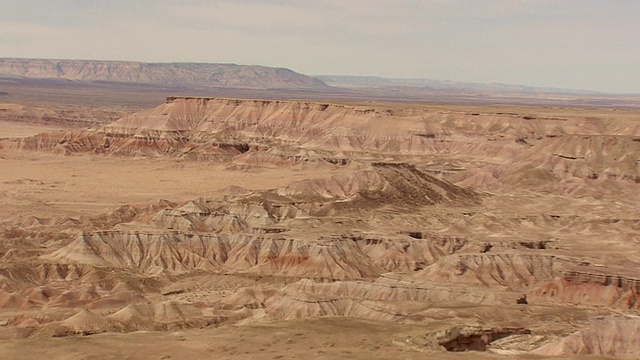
x,y
574,44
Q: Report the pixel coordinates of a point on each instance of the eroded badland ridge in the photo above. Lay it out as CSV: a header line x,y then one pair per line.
x,y
314,229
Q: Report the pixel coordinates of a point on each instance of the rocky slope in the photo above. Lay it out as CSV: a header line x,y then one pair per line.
x,y
612,336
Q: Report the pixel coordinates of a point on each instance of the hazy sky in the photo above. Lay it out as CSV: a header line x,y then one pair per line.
x,y
581,44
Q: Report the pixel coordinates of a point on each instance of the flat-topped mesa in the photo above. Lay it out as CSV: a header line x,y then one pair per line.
x,y
170,99
258,132
237,101
214,114
191,75
200,124
315,105
366,127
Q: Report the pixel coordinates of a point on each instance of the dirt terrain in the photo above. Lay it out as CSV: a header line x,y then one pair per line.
x,y
210,227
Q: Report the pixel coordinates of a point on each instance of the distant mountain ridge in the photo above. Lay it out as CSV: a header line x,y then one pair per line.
x,y
382,82
193,75
227,77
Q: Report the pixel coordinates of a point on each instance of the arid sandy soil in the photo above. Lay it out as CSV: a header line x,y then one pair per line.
x,y
33,183
235,228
